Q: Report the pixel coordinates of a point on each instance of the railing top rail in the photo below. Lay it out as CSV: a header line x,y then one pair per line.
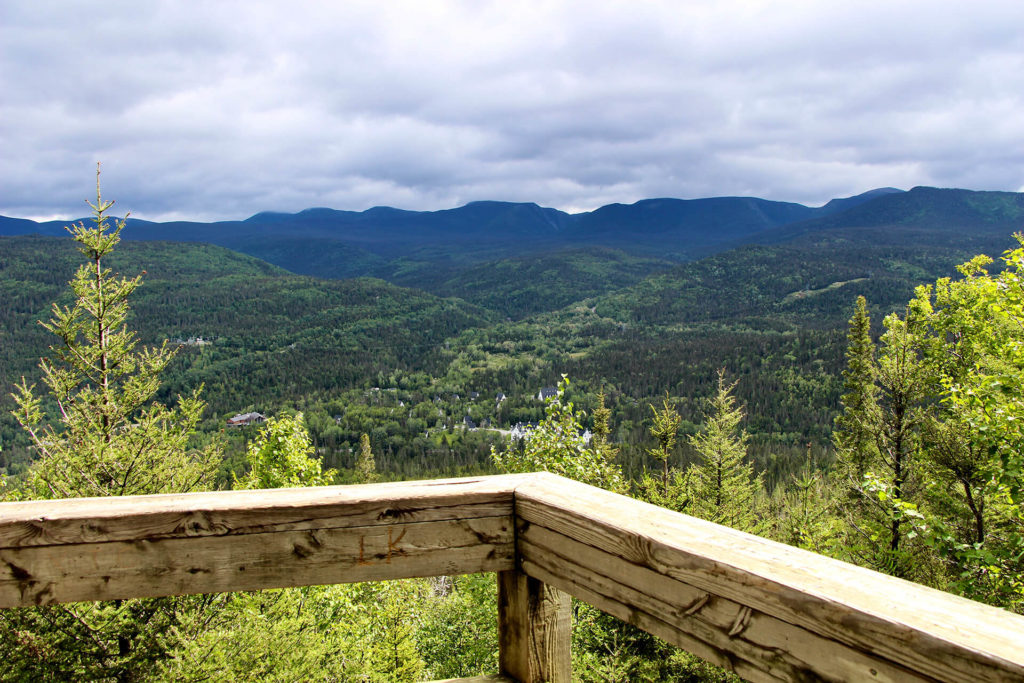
x,y
150,546
218,513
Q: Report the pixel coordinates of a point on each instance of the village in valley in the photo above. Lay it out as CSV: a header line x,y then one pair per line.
x,y
437,420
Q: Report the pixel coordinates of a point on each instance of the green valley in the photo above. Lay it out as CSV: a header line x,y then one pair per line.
x,y
362,355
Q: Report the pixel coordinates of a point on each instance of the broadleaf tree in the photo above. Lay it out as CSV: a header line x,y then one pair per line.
x,y
971,511
559,445
281,457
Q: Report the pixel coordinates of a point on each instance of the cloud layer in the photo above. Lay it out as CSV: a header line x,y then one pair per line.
x,y
220,110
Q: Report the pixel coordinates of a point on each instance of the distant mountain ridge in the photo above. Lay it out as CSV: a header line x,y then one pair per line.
x,y
659,225
491,221
428,248
933,209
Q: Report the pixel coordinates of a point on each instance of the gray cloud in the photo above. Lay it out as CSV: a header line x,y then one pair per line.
x,y
220,111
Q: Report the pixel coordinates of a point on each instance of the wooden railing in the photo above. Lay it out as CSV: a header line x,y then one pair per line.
x,y
767,611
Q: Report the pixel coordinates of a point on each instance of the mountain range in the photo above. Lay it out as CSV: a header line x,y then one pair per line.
x,y
473,251
368,242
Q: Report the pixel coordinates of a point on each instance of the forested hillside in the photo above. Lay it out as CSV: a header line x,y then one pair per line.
x,y
272,338
772,316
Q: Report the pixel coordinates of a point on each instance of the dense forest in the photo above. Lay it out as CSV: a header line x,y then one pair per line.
x,y
839,386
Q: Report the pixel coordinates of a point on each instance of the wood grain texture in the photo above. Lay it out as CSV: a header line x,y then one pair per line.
x,y
764,584
756,646
534,630
147,546
177,566
221,513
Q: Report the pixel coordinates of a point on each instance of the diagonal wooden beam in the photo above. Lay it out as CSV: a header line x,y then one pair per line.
x,y
767,610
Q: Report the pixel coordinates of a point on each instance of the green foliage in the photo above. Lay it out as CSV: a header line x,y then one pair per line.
x,y
723,487
282,341
939,498
972,511
673,489
364,632
606,650
281,456
108,437
111,437
356,632
853,436
804,513
115,641
366,468
526,285
310,634
602,429
878,538
558,445
665,429
458,631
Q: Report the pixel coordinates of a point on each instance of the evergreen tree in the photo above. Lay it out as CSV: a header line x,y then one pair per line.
x,y
665,429
366,468
804,512
876,436
672,489
880,537
723,488
602,429
109,439
852,436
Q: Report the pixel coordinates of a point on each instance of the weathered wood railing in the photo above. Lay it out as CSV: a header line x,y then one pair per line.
x,y
766,610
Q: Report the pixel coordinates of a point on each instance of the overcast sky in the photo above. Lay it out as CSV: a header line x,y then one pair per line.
x,y
218,110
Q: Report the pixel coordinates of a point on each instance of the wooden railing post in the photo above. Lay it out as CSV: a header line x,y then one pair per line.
x,y
533,630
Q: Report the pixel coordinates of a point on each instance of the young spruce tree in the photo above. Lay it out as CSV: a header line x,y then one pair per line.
x,y
853,436
723,488
665,429
671,489
110,437
101,434
366,466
